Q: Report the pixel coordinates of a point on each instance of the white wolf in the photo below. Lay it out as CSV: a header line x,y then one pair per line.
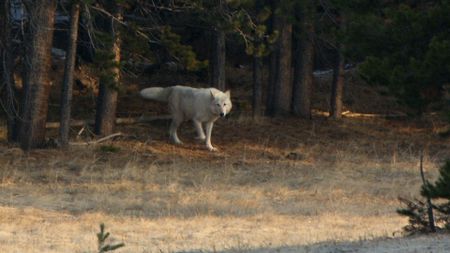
x,y
202,106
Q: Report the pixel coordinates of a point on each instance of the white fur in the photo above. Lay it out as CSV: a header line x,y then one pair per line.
x,y
202,106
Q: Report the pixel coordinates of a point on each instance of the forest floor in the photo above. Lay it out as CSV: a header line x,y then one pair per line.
x,y
275,185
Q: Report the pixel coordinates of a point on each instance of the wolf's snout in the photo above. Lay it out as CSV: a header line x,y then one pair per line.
x,y
222,114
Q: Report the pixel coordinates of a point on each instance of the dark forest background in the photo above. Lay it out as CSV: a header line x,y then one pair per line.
x,y
403,46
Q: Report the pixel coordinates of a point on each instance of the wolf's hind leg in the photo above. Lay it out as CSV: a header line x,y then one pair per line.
x,y
173,131
199,128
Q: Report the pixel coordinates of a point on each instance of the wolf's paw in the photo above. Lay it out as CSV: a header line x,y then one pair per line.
x,y
212,149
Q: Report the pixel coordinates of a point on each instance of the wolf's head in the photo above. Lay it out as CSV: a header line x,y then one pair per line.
x,y
220,103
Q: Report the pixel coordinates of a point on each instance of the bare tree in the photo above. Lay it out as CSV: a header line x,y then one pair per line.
x,y
37,80
66,93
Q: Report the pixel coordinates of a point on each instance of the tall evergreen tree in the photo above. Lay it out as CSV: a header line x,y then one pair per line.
x,y
37,80
66,93
402,45
282,77
110,73
7,69
337,85
304,34
250,22
218,53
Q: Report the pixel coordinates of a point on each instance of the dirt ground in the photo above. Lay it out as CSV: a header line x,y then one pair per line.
x,y
276,185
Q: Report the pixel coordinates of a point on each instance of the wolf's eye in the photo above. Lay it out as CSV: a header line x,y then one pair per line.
x,y
218,104
224,104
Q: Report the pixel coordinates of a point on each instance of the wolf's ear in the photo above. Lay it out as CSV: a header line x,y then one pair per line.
x,y
212,95
227,93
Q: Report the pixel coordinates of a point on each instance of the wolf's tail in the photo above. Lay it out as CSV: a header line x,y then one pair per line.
x,y
156,93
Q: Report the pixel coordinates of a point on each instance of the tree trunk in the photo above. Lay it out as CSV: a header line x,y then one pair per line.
x,y
273,73
37,80
7,69
109,84
257,87
218,60
106,110
304,66
66,93
282,95
273,64
337,87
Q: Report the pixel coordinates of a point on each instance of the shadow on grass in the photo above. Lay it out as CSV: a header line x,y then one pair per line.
x,y
425,243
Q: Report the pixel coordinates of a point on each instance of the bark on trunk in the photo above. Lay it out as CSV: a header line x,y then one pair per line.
x,y
257,87
7,70
66,93
282,96
303,68
337,87
218,57
106,110
107,97
273,73
37,80
272,64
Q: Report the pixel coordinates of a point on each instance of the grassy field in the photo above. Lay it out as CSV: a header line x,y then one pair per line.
x,y
274,186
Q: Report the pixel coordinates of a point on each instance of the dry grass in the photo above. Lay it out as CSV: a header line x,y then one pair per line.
x,y
317,181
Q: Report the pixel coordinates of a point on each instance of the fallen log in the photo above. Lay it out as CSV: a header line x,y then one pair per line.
x,y
96,141
349,114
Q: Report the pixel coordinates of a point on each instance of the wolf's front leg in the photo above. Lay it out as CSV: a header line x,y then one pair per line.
x,y
209,127
173,131
199,128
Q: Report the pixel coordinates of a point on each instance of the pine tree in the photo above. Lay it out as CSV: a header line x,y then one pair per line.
x,y
66,93
402,45
37,82
250,21
7,68
103,246
304,54
280,88
420,213
440,188
108,58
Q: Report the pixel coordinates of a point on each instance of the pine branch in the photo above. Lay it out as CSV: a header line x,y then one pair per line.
x,y
143,35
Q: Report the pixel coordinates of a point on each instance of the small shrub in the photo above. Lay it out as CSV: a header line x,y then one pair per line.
x,y
417,212
427,217
102,245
